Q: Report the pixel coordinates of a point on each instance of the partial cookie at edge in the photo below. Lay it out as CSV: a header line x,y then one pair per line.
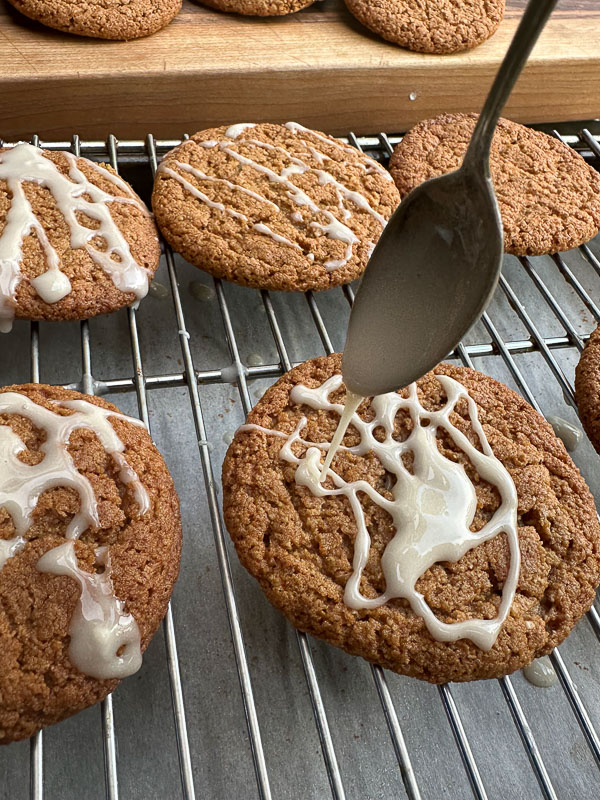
x,y
549,197
115,19
38,684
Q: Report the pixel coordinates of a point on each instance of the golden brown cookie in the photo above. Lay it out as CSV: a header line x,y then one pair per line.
x,y
433,26
273,206
103,19
258,8
549,197
75,239
587,388
136,553
301,547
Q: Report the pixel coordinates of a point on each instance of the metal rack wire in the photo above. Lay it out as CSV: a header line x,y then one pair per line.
x,y
513,332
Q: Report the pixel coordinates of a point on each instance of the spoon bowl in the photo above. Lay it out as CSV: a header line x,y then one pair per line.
x,y
429,279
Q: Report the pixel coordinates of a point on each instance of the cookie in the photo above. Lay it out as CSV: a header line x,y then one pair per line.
x,y
587,388
258,8
90,540
75,239
549,197
103,19
302,540
273,206
434,26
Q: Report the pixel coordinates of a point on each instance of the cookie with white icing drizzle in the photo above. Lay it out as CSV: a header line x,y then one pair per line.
x,y
454,538
273,206
90,540
103,19
75,239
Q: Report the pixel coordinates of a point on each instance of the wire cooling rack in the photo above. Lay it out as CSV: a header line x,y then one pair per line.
x,y
231,702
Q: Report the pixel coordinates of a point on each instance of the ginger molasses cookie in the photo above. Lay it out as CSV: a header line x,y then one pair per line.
x,y
433,26
75,239
258,8
452,539
103,19
587,388
549,197
273,206
90,539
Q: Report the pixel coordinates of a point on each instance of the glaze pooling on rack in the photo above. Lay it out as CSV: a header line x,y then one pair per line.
x,y
99,627
432,508
334,228
541,673
569,434
25,163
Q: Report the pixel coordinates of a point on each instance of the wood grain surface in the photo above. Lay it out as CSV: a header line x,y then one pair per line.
x,y
319,67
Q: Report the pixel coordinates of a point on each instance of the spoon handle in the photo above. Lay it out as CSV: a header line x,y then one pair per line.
x,y
531,25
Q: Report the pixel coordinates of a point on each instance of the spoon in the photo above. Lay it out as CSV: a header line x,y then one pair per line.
x,y
438,260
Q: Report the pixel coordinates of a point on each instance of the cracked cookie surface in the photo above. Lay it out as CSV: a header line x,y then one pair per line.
x,y
436,26
587,388
258,8
300,547
273,206
103,19
38,684
549,198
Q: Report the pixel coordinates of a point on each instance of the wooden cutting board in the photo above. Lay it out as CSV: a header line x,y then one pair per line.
x,y
319,67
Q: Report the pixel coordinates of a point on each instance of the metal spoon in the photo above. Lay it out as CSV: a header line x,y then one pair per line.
x,y
437,262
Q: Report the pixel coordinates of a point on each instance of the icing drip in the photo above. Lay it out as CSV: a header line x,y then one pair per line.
x,y
570,434
99,626
541,673
334,228
234,130
25,163
105,641
350,408
431,510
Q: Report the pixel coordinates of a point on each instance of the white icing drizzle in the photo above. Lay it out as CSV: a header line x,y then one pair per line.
x,y
10,548
234,130
432,509
334,228
262,228
204,177
200,195
105,640
570,434
25,163
371,166
541,673
99,626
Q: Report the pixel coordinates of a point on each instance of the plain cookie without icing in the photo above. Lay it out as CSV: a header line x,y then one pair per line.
x,y
300,547
103,19
587,388
549,197
38,683
433,26
273,206
258,8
